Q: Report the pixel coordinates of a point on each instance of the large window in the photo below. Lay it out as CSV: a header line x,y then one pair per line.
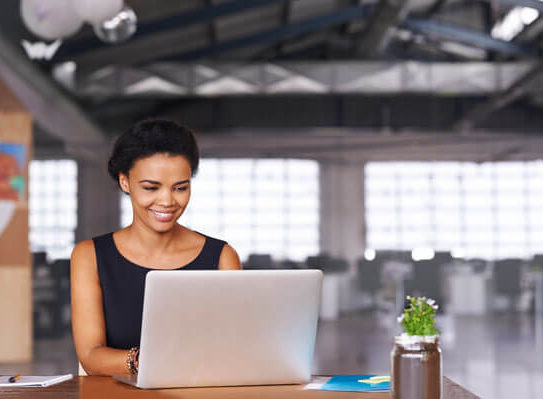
x,y
53,207
489,210
258,206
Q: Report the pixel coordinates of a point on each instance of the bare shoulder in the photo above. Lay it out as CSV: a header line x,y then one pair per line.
x,y
84,248
83,255
229,259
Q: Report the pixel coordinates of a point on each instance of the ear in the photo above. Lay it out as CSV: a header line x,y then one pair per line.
x,y
123,182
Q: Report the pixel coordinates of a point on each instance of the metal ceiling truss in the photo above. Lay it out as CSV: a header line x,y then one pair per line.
x,y
393,112
274,35
167,80
434,8
211,26
521,87
285,20
375,37
192,17
355,144
386,97
535,4
381,18
54,111
442,31
530,32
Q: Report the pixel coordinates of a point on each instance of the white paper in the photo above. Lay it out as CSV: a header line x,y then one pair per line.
x,y
34,380
317,382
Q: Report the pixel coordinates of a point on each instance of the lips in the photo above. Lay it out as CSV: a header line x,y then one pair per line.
x,y
162,216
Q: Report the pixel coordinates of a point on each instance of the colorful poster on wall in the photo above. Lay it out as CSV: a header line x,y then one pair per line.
x,y
12,179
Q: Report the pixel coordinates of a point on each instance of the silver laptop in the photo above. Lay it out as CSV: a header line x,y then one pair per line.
x,y
223,328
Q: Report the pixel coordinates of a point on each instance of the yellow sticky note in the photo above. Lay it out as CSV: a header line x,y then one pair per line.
x,y
376,380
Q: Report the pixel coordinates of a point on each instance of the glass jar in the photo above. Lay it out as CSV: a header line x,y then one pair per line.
x,y
416,367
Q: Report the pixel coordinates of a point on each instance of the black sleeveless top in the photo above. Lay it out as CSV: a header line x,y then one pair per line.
x,y
123,284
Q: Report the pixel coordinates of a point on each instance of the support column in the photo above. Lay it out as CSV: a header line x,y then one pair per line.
x,y
342,213
98,199
342,222
15,260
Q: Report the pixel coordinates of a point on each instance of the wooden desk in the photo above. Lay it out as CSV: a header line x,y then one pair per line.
x,y
105,388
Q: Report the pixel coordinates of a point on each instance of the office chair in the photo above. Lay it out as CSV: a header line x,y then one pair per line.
x,y
258,261
369,277
321,261
507,279
51,297
427,280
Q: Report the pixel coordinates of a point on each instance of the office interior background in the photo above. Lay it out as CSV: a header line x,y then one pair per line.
x,y
394,144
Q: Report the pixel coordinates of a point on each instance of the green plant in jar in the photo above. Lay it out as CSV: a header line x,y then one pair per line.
x,y
419,317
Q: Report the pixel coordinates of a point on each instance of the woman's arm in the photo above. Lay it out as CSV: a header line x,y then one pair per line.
x,y
229,259
88,324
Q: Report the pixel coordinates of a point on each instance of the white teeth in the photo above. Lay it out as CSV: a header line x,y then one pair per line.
x,y
163,214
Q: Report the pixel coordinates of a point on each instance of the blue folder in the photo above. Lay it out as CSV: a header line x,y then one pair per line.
x,y
358,383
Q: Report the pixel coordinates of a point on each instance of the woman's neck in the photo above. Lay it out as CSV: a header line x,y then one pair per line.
x,y
152,241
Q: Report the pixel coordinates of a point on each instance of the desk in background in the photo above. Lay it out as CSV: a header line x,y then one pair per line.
x,y
105,387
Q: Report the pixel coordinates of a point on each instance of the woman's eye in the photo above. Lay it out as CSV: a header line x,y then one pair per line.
x,y
184,188
149,188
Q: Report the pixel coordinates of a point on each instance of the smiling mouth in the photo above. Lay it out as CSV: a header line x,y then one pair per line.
x,y
163,216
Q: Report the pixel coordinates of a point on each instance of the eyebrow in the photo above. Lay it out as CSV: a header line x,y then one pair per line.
x,y
156,182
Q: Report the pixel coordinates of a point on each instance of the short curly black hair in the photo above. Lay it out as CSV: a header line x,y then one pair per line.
x,y
149,137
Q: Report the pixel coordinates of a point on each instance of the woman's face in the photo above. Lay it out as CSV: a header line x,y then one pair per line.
x,y
159,188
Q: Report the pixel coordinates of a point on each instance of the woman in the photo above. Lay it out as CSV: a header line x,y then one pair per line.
x,y
153,163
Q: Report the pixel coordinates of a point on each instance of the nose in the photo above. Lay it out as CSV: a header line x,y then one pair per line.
x,y
165,198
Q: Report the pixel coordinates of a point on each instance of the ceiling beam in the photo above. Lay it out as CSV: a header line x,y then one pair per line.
x,y
298,142
344,29
274,35
211,26
535,4
354,144
388,113
517,90
284,19
439,30
530,32
376,36
325,77
71,49
434,8
51,108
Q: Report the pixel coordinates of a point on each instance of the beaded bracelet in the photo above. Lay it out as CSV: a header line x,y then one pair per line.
x,y
131,360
